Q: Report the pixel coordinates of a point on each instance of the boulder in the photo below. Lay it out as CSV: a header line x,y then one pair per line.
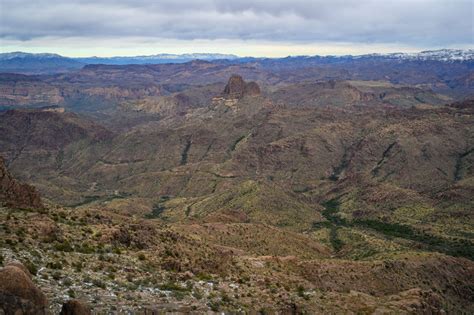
x,y
18,294
21,266
75,307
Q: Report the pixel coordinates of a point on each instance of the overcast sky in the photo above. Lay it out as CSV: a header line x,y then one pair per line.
x,y
242,27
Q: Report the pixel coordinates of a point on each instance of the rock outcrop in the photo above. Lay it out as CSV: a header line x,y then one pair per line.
x,y
75,307
14,194
237,88
18,294
252,89
465,104
20,90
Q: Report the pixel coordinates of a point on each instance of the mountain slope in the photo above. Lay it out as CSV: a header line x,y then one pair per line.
x,y
14,194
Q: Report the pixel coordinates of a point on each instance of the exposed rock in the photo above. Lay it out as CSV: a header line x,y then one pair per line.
x,y
237,88
75,307
15,194
21,266
20,90
465,104
18,294
252,89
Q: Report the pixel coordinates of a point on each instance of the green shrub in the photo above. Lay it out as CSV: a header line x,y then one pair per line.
x,y
55,265
156,211
32,268
172,286
63,247
56,275
99,283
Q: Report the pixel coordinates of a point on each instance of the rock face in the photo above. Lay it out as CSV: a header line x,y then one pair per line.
x,y
18,294
75,307
237,88
252,89
14,194
19,90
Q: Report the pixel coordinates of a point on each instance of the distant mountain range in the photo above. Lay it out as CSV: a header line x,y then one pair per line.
x,y
46,63
438,55
155,59
26,63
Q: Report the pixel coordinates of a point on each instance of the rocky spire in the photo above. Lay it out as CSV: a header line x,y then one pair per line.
x,y
237,88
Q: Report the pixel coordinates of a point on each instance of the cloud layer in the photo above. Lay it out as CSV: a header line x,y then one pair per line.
x,y
415,22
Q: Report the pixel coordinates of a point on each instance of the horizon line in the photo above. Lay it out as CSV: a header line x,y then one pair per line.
x,y
233,54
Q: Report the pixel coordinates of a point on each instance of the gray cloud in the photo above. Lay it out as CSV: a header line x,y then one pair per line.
x,y
421,22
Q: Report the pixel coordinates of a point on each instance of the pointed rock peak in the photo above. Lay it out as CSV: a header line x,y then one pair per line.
x,y
237,88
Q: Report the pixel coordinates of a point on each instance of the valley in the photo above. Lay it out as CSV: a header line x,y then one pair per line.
x,y
292,186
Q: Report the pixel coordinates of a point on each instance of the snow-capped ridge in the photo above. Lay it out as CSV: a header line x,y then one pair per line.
x,y
447,55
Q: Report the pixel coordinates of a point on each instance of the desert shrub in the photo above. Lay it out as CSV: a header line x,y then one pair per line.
x,y
99,283
71,293
225,298
179,295
214,306
197,295
336,242
320,225
156,211
300,291
55,265
56,275
67,282
116,250
32,268
204,276
77,266
301,189
63,247
172,286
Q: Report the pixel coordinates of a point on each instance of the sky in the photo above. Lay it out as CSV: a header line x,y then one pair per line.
x,y
272,28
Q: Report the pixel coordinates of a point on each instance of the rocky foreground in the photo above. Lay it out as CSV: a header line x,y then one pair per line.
x,y
19,295
122,267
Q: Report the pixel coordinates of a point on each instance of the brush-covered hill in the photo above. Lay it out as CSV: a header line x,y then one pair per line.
x,y
37,143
